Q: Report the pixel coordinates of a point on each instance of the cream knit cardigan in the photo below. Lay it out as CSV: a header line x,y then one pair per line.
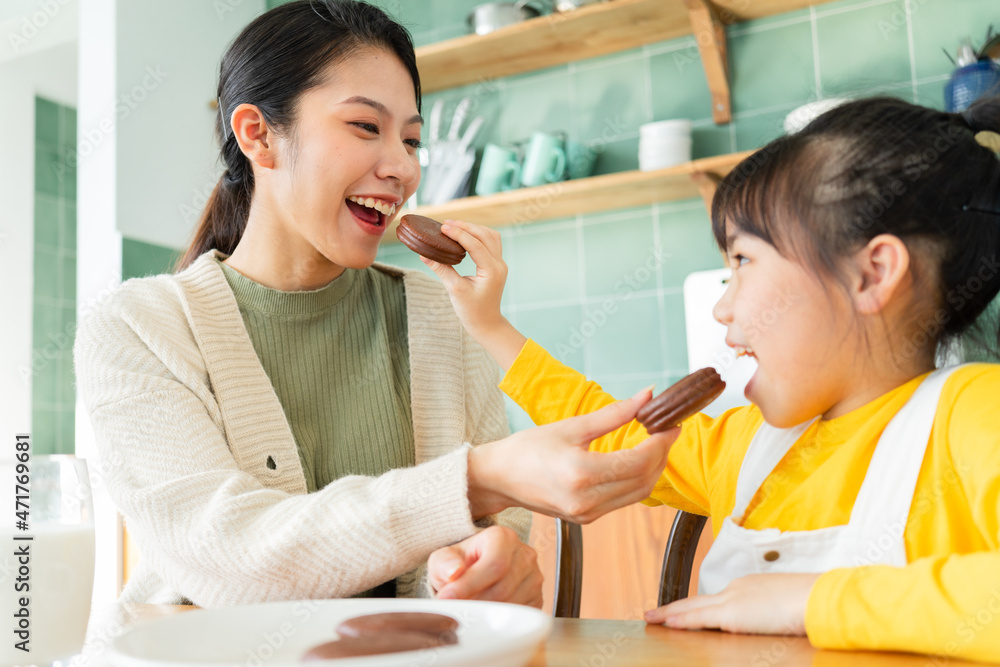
x,y
188,428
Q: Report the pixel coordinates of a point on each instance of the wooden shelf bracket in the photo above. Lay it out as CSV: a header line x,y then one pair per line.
x,y
710,33
708,183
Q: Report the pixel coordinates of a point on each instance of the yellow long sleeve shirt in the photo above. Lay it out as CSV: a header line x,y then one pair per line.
x,y
946,601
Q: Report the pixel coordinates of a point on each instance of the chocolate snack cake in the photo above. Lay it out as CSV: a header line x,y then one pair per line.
x,y
684,399
423,236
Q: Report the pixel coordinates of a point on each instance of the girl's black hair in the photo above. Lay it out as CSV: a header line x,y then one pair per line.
x,y
280,55
882,166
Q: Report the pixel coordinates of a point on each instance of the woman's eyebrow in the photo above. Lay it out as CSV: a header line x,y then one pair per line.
x,y
381,108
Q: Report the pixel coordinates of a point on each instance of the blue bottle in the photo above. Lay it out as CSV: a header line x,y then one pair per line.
x,y
971,82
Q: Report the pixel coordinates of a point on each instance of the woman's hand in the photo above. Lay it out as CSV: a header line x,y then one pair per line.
x,y
767,604
476,299
491,565
548,469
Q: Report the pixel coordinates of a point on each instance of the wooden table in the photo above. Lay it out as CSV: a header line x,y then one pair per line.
x,y
601,643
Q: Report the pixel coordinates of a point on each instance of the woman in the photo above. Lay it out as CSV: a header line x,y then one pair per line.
x,y
282,419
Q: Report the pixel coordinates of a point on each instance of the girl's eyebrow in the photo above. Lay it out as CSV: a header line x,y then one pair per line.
x,y
732,238
381,108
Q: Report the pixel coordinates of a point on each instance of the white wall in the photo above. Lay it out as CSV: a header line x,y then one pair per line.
x,y
146,156
167,71
50,73
99,248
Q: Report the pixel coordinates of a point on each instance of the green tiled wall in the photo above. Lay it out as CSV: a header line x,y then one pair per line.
x,y
562,272
54,307
146,259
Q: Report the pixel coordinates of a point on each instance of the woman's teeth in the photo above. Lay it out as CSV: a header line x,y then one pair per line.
x,y
742,351
377,204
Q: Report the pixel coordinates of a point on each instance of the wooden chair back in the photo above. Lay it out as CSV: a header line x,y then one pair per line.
x,y
675,579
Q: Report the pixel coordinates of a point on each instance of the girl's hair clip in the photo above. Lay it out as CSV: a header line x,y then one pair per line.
x,y
989,139
222,119
972,209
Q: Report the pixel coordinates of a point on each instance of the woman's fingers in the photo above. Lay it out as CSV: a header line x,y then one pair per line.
x,y
586,428
444,566
526,590
490,555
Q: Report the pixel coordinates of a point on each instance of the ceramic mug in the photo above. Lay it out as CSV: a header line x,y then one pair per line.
x,y
498,171
580,159
544,160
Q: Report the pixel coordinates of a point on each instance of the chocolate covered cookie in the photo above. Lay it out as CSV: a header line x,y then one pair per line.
x,y
423,236
684,399
436,625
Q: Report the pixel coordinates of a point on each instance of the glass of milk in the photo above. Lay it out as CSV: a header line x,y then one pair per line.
x,y
46,558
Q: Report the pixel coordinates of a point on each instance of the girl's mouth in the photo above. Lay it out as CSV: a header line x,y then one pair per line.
x,y
743,351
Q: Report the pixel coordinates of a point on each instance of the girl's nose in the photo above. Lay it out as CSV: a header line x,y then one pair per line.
x,y
723,310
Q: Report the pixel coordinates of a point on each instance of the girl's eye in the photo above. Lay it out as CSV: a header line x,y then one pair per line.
x,y
367,127
740,259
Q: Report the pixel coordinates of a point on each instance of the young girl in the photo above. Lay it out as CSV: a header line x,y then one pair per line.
x,y
857,500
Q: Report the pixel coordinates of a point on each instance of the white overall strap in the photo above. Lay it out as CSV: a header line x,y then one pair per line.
x,y
884,501
768,447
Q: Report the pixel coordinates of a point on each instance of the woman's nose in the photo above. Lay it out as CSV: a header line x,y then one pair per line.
x,y
723,310
399,163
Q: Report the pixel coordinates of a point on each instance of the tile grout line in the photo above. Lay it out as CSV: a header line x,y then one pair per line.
x,y
756,30
814,23
913,55
660,301
627,377
581,276
846,10
572,97
647,74
662,48
596,300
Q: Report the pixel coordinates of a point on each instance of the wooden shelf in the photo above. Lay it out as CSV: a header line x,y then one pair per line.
x,y
591,31
586,195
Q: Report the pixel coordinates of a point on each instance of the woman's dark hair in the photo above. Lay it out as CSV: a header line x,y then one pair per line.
x,y
279,56
882,166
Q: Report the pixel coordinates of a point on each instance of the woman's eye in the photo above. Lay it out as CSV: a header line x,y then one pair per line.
x,y
367,127
416,143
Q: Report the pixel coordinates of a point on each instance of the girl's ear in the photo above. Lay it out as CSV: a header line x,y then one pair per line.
x,y
252,134
880,267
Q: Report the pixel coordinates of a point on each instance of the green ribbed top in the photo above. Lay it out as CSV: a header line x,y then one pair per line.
x,y
339,363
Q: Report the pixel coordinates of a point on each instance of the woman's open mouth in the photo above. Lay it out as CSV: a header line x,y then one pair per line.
x,y
372,214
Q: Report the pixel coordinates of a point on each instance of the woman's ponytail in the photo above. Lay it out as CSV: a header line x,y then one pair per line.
x,y
280,55
224,219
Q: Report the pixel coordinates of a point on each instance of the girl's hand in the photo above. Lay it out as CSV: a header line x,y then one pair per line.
x,y
491,565
548,469
476,299
767,604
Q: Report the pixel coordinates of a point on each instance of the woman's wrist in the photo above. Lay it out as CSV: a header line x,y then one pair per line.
x,y
485,481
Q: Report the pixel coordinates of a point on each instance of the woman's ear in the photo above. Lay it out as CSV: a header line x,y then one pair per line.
x,y
253,135
881,266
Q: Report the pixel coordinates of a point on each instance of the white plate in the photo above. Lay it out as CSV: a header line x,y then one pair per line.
x,y
277,634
